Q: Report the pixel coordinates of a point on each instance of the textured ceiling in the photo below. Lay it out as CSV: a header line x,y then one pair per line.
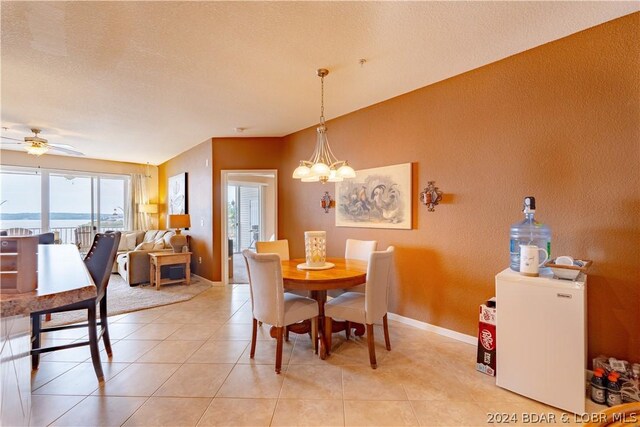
x,y
144,81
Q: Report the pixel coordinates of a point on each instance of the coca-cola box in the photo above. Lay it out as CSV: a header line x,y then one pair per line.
x,y
486,361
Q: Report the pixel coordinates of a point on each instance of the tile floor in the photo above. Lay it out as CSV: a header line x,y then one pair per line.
x,y
188,364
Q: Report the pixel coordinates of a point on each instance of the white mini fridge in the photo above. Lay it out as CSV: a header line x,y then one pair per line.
x,y
541,338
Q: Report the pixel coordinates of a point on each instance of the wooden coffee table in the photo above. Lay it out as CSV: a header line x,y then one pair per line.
x,y
158,259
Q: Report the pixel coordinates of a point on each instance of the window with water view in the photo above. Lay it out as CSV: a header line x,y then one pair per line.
x,y
74,205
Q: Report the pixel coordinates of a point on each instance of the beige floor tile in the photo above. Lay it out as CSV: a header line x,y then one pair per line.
x,y
154,331
169,411
198,332
100,411
81,380
238,412
77,354
171,352
195,380
72,334
378,413
242,316
138,379
183,316
117,331
355,351
365,383
429,384
48,371
447,413
219,352
266,353
312,382
142,316
240,331
295,412
252,381
303,354
128,351
46,409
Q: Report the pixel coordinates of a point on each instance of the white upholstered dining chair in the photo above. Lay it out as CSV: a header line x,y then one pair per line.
x,y
271,305
360,250
366,308
280,247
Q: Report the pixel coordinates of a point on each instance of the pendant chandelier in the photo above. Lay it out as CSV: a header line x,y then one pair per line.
x,y
323,166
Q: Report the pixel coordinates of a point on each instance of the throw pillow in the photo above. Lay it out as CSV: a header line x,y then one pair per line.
x,y
144,246
122,246
158,244
131,241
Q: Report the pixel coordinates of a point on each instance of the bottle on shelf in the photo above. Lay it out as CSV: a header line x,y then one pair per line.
x,y
528,232
614,396
598,389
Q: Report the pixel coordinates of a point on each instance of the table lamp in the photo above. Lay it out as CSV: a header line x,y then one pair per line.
x,y
178,222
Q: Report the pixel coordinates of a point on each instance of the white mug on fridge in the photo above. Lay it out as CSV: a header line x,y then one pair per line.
x,y
529,260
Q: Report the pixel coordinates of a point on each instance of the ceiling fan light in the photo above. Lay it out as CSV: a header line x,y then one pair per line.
x,y
346,171
37,150
301,172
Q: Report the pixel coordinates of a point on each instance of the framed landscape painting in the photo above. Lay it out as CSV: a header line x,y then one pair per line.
x,y
178,194
375,198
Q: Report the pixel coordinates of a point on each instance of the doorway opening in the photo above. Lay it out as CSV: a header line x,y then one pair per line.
x,y
249,215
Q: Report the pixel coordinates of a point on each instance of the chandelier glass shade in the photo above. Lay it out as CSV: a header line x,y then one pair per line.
x,y
323,166
37,149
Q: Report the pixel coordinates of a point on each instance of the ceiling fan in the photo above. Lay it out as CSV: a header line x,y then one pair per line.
x,y
38,146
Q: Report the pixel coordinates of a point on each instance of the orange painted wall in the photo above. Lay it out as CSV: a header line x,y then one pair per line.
x,y
560,122
194,162
240,154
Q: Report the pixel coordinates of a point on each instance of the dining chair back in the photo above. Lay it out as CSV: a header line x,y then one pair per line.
x,y
368,308
280,247
265,285
99,262
379,279
359,249
270,304
100,258
355,249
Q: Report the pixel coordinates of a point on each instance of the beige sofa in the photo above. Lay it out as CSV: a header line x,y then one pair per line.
x,y
133,265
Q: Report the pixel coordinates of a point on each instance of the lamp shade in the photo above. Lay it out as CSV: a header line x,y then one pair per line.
x,y
150,208
179,221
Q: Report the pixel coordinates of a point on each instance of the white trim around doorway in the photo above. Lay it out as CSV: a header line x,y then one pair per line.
x,y
224,246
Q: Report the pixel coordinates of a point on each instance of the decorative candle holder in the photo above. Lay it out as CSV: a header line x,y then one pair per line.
x,y
315,248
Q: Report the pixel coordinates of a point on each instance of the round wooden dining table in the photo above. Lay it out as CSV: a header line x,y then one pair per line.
x,y
345,274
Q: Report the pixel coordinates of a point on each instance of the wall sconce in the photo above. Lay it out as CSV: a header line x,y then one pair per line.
x,y
431,196
327,202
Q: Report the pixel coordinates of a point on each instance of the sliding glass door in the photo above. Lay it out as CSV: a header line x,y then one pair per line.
x,y
74,205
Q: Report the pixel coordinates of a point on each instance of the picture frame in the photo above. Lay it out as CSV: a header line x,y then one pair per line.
x,y
376,198
178,195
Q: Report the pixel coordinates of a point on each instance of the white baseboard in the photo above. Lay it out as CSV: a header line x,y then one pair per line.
x,y
207,280
468,339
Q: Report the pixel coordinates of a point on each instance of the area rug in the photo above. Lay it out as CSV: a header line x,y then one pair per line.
x,y
122,298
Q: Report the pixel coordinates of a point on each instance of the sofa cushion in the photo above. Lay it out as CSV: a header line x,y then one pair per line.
x,y
153,235
167,238
127,242
144,246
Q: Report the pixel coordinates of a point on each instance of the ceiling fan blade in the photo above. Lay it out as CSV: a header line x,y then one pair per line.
x,y
13,139
66,150
67,146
